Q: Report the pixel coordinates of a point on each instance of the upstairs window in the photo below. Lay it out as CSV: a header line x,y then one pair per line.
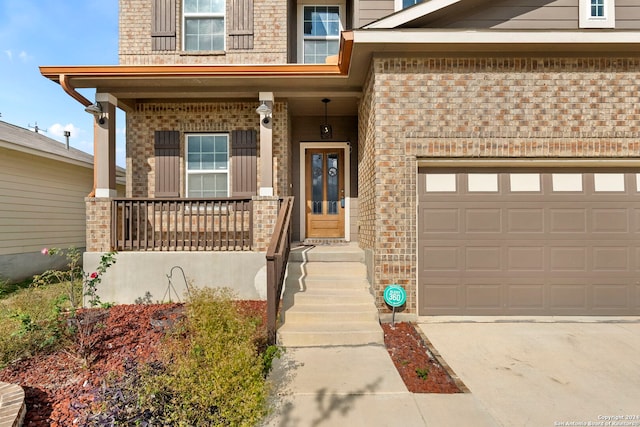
x,y
207,165
204,25
321,28
597,14
403,4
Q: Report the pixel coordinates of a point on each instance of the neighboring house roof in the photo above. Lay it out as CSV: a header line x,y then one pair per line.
x,y
20,139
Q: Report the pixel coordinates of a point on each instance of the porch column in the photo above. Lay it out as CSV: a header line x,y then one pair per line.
x,y
266,147
104,146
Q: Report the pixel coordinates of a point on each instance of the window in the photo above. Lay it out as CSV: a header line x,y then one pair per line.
x,y
321,28
597,14
207,165
403,4
204,25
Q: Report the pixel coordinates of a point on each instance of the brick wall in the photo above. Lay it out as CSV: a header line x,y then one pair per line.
x,y
265,216
198,117
98,224
472,108
270,37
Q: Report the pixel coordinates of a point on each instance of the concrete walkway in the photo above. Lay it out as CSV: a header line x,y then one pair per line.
x,y
359,386
544,373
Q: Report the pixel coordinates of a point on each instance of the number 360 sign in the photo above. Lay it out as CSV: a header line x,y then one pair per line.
x,y
395,295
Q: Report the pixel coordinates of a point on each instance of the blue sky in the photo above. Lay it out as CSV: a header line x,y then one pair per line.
x,y
55,32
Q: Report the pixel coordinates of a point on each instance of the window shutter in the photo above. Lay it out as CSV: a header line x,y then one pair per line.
x,y
167,151
163,25
244,147
241,28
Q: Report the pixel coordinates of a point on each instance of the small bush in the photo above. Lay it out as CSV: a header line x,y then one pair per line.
x,y
30,321
215,376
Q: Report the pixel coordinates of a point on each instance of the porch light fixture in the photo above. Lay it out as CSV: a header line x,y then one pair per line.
x,y
96,110
325,129
265,111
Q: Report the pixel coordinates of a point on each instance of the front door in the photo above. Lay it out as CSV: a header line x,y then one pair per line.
x,y
325,201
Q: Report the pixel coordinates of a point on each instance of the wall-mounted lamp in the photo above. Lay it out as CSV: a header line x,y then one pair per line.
x,y
96,110
265,111
325,129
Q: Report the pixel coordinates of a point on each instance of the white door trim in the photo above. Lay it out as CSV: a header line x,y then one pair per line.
x,y
304,146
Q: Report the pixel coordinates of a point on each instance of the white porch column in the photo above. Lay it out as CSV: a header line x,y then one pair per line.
x,y
266,148
104,146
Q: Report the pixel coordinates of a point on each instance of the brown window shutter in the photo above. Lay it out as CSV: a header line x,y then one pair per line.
x,y
163,25
244,147
241,25
167,151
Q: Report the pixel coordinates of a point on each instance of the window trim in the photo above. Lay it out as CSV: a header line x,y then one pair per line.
x,y
588,21
188,172
186,15
300,33
397,4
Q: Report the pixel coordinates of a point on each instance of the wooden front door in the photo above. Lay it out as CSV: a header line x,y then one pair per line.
x,y
324,204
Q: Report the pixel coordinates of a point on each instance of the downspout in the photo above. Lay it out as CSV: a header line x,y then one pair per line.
x,y
72,92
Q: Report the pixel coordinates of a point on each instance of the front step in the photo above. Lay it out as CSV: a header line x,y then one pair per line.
x,y
327,300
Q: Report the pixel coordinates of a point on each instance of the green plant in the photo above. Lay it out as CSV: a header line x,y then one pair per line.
x,y
30,321
214,374
74,273
422,373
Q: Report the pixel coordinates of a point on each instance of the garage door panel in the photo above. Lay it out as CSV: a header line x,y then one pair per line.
x,y
483,258
526,258
483,220
565,298
611,259
526,297
611,296
610,221
439,258
445,220
570,258
567,220
561,242
525,220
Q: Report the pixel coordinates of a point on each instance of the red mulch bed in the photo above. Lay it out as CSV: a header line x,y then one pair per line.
x,y
60,388
411,356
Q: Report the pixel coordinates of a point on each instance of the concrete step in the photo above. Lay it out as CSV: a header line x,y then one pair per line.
x,y
328,297
340,313
338,270
328,334
341,253
315,282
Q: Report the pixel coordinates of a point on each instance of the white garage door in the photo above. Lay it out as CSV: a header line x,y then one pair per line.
x,y
528,242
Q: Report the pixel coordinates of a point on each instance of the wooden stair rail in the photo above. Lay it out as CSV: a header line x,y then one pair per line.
x,y
277,258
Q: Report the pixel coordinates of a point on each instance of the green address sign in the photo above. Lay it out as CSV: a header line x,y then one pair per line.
x,y
395,295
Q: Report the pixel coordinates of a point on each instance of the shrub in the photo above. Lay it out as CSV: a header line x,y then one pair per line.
x,y
30,321
214,374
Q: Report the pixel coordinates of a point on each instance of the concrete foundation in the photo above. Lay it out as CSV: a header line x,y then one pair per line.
x,y
142,277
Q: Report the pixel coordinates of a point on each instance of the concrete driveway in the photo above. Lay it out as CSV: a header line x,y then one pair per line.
x,y
545,373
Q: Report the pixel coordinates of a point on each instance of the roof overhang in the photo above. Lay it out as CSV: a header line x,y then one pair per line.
x,y
342,81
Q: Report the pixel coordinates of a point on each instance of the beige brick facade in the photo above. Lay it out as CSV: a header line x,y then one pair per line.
x,y
420,108
270,37
265,216
198,117
98,224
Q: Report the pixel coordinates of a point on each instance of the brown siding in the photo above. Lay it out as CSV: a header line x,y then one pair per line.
x,y
519,14
163,25
167,150
241,24
367,11
244,146
627,14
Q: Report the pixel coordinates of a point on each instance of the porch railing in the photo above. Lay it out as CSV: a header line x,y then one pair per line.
x,y
277,258
224,224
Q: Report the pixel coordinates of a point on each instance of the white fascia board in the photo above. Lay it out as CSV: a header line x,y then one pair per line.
x,y
471,37
411,13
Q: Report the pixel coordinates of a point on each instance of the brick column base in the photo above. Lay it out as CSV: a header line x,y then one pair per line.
x,y
265,215
98,224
